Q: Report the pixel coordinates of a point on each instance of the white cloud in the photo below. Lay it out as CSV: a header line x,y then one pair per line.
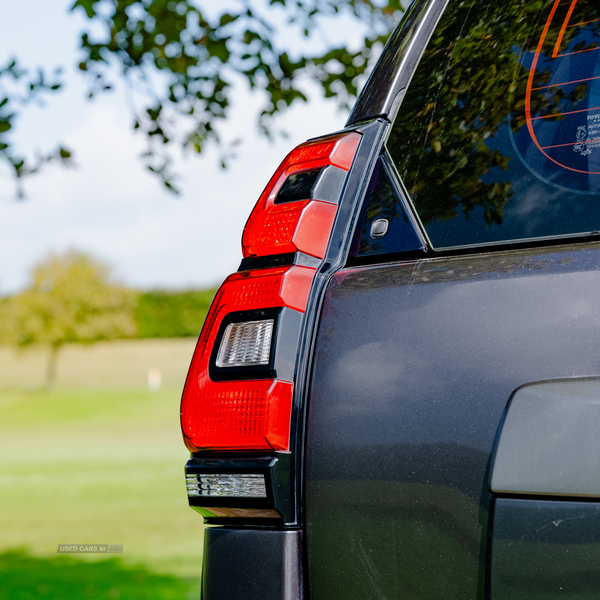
x,y
111,206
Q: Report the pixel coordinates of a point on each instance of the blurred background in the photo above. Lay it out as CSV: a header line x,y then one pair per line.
x,y
106,274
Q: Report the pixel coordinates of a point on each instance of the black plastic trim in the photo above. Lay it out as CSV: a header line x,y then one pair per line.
x,y
252,564
549,497
255,263
329,185
383,91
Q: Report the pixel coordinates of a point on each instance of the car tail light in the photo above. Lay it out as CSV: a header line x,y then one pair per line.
x,y
287,217
250,414
237,396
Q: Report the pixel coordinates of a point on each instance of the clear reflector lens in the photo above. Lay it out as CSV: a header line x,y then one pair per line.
x,y
226,485
246,344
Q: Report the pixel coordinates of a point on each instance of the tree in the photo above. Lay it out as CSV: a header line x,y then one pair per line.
x,y
70,298
181,61
167,314
17,89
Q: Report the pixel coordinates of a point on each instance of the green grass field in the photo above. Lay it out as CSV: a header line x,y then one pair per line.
x,y
97,461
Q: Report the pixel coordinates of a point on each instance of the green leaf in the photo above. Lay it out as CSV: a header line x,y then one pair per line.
x,y
227,18
88,6
193,56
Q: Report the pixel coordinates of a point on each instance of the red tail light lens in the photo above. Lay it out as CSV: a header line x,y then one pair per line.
x,y
237,415
246,415
302,225
250,409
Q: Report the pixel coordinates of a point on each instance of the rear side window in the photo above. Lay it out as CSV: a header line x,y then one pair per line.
x,y
498,136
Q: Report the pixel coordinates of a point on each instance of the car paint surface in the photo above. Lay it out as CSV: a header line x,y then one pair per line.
x,y
414,365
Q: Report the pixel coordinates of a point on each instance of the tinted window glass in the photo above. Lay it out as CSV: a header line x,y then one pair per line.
x,y
498,137
386,227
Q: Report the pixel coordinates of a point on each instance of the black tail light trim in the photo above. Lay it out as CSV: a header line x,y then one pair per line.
x,y
254,263
276,505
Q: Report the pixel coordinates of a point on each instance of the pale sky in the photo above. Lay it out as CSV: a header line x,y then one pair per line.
x,y
110,205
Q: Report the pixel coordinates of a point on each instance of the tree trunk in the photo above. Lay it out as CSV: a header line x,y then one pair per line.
x,y
51,368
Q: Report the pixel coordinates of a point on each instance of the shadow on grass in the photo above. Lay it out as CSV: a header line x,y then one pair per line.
x,y
25,577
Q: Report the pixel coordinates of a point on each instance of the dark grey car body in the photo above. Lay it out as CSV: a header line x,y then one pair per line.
x,y
410,365
414,366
